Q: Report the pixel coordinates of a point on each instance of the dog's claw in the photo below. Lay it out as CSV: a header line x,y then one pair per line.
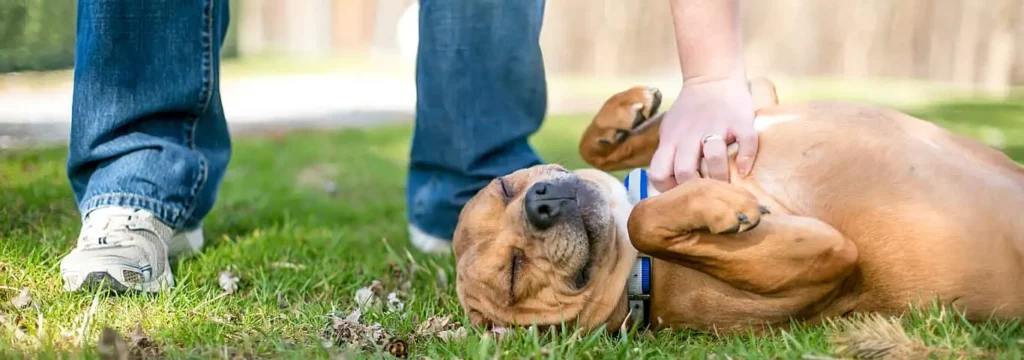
x,y
763,209
743,218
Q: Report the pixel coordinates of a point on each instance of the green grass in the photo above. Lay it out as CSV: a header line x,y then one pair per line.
x,y
277,227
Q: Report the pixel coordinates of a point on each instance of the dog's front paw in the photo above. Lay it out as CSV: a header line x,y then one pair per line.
x,y
626,113
721,208
623,134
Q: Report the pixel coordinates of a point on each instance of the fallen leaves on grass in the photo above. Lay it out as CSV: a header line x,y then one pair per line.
x,y
112,345
441,326
281,302
395,304
401,276
348,331
366,297
22,300
140,345
228,281
879,337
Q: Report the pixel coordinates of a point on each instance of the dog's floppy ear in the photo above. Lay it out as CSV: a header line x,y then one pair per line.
x,y
460,241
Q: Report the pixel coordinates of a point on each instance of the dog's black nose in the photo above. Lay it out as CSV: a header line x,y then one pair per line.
x,y
547,201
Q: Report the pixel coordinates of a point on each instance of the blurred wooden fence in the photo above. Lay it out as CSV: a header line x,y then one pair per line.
x,y
970,42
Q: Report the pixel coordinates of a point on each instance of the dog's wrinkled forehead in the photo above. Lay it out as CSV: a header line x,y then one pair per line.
x,y
483,214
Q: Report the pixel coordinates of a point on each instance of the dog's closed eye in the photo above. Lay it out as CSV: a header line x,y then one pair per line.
x,y
517,263
506,189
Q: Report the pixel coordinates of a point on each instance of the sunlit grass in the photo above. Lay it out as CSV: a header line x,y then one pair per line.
x,y
308,218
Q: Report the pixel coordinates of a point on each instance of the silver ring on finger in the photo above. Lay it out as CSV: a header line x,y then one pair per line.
x,y
710,137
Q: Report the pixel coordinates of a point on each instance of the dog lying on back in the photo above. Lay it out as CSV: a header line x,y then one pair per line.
x,y
849,208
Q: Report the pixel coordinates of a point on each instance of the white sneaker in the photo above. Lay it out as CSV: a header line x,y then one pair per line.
x,y
125,249
428,243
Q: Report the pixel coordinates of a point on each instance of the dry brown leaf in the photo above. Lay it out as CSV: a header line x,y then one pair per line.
x,y
281,302
441,326
452,335
348,332
366,297
138,337
228,281
433,325
22,300
401,277
111,345
500,332
394,303
140,345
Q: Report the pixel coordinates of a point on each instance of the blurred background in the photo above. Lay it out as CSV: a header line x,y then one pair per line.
x,y
344,62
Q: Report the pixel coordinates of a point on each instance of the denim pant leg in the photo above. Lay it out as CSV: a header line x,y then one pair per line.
x,y
147,126
481,91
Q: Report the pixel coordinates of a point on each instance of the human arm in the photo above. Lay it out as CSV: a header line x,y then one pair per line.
x,y
714,100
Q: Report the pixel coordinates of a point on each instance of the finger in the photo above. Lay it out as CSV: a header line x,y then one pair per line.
x,y
660,173
687,156
747,151
716,158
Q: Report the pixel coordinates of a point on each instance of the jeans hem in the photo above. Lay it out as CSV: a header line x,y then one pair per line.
x,y
169,215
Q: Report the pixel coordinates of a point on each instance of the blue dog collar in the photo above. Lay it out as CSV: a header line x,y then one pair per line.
x,y
638,186
638,285
638,291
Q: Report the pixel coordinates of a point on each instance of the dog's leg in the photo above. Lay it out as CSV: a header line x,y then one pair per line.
x,y
625,132
721,230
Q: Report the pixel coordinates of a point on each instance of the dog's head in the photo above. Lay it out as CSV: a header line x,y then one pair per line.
x,y
545,246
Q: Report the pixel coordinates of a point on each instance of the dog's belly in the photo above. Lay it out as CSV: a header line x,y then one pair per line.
x,y
933,219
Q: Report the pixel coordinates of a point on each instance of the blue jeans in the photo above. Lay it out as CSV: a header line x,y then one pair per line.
x,y
481,91
148,129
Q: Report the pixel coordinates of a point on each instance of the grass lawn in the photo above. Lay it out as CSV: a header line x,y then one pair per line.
x,y
307,219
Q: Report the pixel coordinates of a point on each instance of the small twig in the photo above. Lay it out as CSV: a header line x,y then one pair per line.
x,y
9,288
88,317
622,327
39,323
222,294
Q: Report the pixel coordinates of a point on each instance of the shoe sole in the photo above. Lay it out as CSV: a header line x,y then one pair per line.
x,y
111,276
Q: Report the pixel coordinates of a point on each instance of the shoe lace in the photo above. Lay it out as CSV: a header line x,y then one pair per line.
x,y
113,231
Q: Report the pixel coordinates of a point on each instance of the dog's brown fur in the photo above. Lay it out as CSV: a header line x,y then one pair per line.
x,y
871,210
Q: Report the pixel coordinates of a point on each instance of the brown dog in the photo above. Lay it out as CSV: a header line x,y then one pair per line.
x,y
849,208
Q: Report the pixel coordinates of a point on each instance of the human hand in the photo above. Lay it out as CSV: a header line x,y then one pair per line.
x,y
703,120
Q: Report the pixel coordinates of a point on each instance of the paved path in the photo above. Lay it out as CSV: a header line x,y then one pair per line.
x,y
30,117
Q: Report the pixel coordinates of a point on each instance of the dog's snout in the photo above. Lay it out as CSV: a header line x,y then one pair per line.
x,y
546,202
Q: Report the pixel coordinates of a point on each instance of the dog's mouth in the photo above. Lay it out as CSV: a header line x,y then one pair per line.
x,y
593,232
645,117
